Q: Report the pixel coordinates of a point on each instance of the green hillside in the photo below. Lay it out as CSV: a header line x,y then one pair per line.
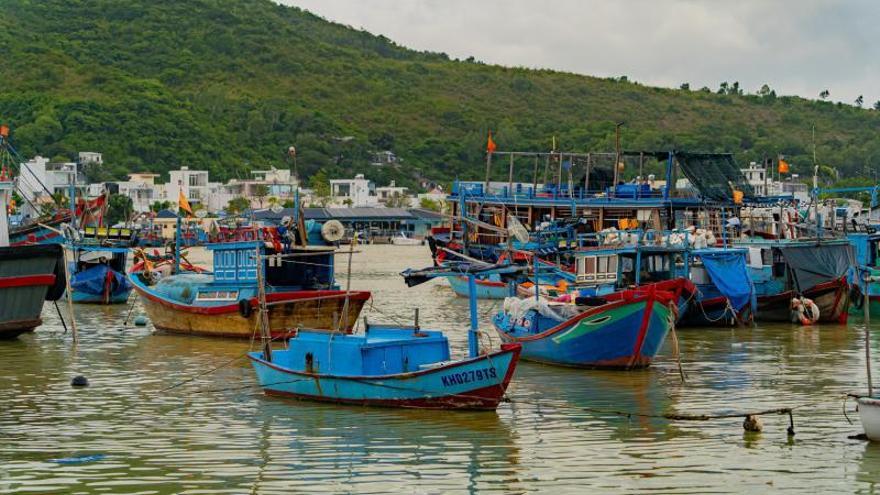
x,y
228,85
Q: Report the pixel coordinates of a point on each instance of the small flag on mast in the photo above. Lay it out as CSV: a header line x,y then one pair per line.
x,y
183,204
490,144
783,166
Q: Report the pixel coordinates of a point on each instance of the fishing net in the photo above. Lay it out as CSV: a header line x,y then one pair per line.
x,y
714,175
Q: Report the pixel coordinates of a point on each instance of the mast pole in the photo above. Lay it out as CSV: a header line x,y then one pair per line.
x,y
473,343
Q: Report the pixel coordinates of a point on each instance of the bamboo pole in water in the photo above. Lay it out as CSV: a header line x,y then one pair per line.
x,y
867,304
70,296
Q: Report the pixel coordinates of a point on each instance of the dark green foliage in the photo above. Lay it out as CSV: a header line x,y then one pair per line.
x,y
119,209
228,85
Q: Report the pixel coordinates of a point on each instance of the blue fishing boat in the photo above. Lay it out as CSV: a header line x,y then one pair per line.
x,y
620,330
489,287
789,273
725,292
866,248
98,275
388,365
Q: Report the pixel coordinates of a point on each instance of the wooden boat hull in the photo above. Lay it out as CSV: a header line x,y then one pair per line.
x,y
27,276
714,312
623,334
287,311
832,298
486,289
476,383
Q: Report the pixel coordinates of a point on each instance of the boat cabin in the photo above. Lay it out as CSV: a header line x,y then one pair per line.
x,y
381,350
297,268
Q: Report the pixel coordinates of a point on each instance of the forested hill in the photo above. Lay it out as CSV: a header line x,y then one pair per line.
x,y
228,85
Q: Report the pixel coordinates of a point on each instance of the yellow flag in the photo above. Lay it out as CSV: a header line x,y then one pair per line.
x,y
183,204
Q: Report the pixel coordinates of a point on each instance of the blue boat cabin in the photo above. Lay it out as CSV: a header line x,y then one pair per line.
x,y
382,350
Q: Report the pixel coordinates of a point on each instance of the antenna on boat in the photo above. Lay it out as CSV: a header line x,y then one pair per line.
x,y
473,342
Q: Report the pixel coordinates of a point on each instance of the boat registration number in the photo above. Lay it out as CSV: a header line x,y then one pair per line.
x,y
468,377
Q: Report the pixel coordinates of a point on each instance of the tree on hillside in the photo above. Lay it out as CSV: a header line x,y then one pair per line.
x,y
119,209
260,192
430,204
860,101
877,105
824,94
160,205
766,92
723,88
320,184
237,205
397,200
685,86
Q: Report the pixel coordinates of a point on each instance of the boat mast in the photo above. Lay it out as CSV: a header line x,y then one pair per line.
x,y
473,342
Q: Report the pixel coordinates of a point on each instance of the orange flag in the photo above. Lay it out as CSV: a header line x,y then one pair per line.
x,y
183,204
490,144
783,166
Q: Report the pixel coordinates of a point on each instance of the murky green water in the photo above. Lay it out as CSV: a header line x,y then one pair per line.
x,y
219,434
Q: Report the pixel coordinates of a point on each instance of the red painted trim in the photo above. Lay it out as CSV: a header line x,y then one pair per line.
x,y
31,239
646,321
487,283
27,281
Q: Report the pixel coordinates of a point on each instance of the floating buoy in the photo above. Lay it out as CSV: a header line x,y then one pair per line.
x,y
804,311
753,424
79,381
140,320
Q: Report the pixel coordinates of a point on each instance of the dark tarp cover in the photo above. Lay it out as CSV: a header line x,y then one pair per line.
x,y
92,280
714,175
729,273
815,264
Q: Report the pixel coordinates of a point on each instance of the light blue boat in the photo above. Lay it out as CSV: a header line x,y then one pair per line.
x,y
388,365
489,287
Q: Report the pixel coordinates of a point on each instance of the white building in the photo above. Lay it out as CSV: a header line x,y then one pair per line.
x,y
275,183
90,157
142,189
38,178
195,185
355,192
384,193
763,183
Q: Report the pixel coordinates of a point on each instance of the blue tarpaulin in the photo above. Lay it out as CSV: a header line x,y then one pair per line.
x,y
729,273
92,280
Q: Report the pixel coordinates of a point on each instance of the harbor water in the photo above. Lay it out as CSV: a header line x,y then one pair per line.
x,y
155,420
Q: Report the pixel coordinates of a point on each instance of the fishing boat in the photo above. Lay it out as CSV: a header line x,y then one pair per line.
x,y
866,283
401,239
29,274
391,366
786,272
725,292
98,275
620,330
301,291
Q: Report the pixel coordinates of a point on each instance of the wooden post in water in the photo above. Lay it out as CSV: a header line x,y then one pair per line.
x,y
265,332
587,175
867,309
69,293
348,285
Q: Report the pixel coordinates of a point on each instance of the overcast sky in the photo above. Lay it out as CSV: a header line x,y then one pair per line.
x,y
796,46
